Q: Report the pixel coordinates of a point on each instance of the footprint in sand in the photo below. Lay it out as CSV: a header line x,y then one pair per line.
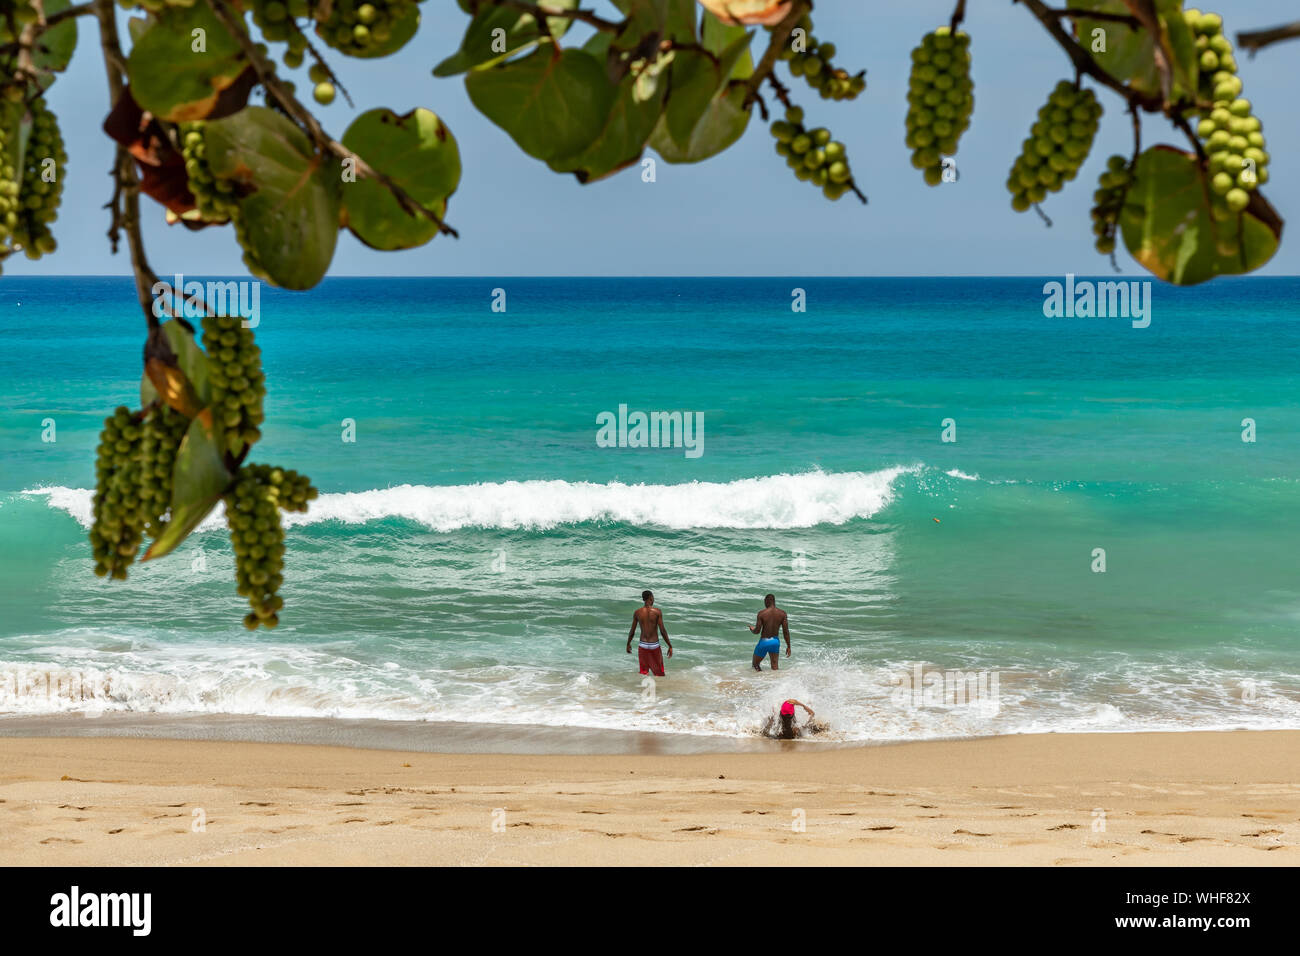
x,y
971,833
880,828
59,840
1065,826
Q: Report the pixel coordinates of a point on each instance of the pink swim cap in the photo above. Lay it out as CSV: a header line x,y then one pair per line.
x,y
787,709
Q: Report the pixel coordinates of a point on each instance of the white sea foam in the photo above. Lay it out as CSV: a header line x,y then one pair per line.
x,y
775,501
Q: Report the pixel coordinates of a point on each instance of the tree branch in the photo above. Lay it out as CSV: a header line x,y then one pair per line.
x,y
304,117
1085,64
125,203
1254,40
780,36
76,10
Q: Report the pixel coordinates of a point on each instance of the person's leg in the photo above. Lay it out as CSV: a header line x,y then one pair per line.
x,y
776,660
758,663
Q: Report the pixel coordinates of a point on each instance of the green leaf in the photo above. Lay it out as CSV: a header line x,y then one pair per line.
x,y
623,139
697,79
190,358
718,37
148,393
673,19
289,221
171,79
484,46
198,479
551,103
416,151
1180,43
54,47
1168,227
722,124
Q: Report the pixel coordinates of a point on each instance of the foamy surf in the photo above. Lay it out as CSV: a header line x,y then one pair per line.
x,y
769,502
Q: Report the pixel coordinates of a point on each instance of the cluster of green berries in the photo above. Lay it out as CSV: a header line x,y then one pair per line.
x,y
9,202
41,189
357,28
235,374
118,517
276,19
940,99
1233,136
253,507
162,430
1057,145
814,64
1108,202
813,155
214,197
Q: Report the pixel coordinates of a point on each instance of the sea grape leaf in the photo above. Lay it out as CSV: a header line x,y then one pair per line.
x,y
416,151
479,48
54,48
623,139
697,79
198,479
673,19
721,125
717,36
190,358
173,80
1180,43
552,103
1168,227
148,394
163,369
289,219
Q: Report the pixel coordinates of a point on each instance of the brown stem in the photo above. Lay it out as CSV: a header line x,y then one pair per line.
x,y
304,118
1085,64
126,189
780,36
1254,40
76,10
958,15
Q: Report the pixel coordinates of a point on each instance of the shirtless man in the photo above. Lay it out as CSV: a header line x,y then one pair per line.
x,y
770,624
651,620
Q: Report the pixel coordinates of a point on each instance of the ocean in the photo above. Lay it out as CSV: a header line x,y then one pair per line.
x,y
980,519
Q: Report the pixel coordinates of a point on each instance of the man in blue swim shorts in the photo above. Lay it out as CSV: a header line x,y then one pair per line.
x,y
771,623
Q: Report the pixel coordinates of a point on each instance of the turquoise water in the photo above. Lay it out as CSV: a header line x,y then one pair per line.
x,y
476,555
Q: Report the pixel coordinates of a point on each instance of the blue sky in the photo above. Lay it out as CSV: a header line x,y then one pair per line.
x,y
741,213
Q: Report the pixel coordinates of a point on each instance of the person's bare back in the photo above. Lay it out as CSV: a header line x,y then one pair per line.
x,y
770,625
651,621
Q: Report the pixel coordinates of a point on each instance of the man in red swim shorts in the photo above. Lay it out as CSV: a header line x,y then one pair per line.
x,y
651,621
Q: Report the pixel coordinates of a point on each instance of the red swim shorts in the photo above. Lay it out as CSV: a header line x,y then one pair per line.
x,y
651,660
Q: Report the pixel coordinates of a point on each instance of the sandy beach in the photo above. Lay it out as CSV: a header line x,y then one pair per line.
x,y
1230,798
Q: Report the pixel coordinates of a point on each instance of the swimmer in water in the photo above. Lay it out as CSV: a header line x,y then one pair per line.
x,y
771,623
788,730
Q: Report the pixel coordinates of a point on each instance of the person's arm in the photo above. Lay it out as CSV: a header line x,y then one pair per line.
x,y
664,631
808,709
758,623
631,631
785,627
